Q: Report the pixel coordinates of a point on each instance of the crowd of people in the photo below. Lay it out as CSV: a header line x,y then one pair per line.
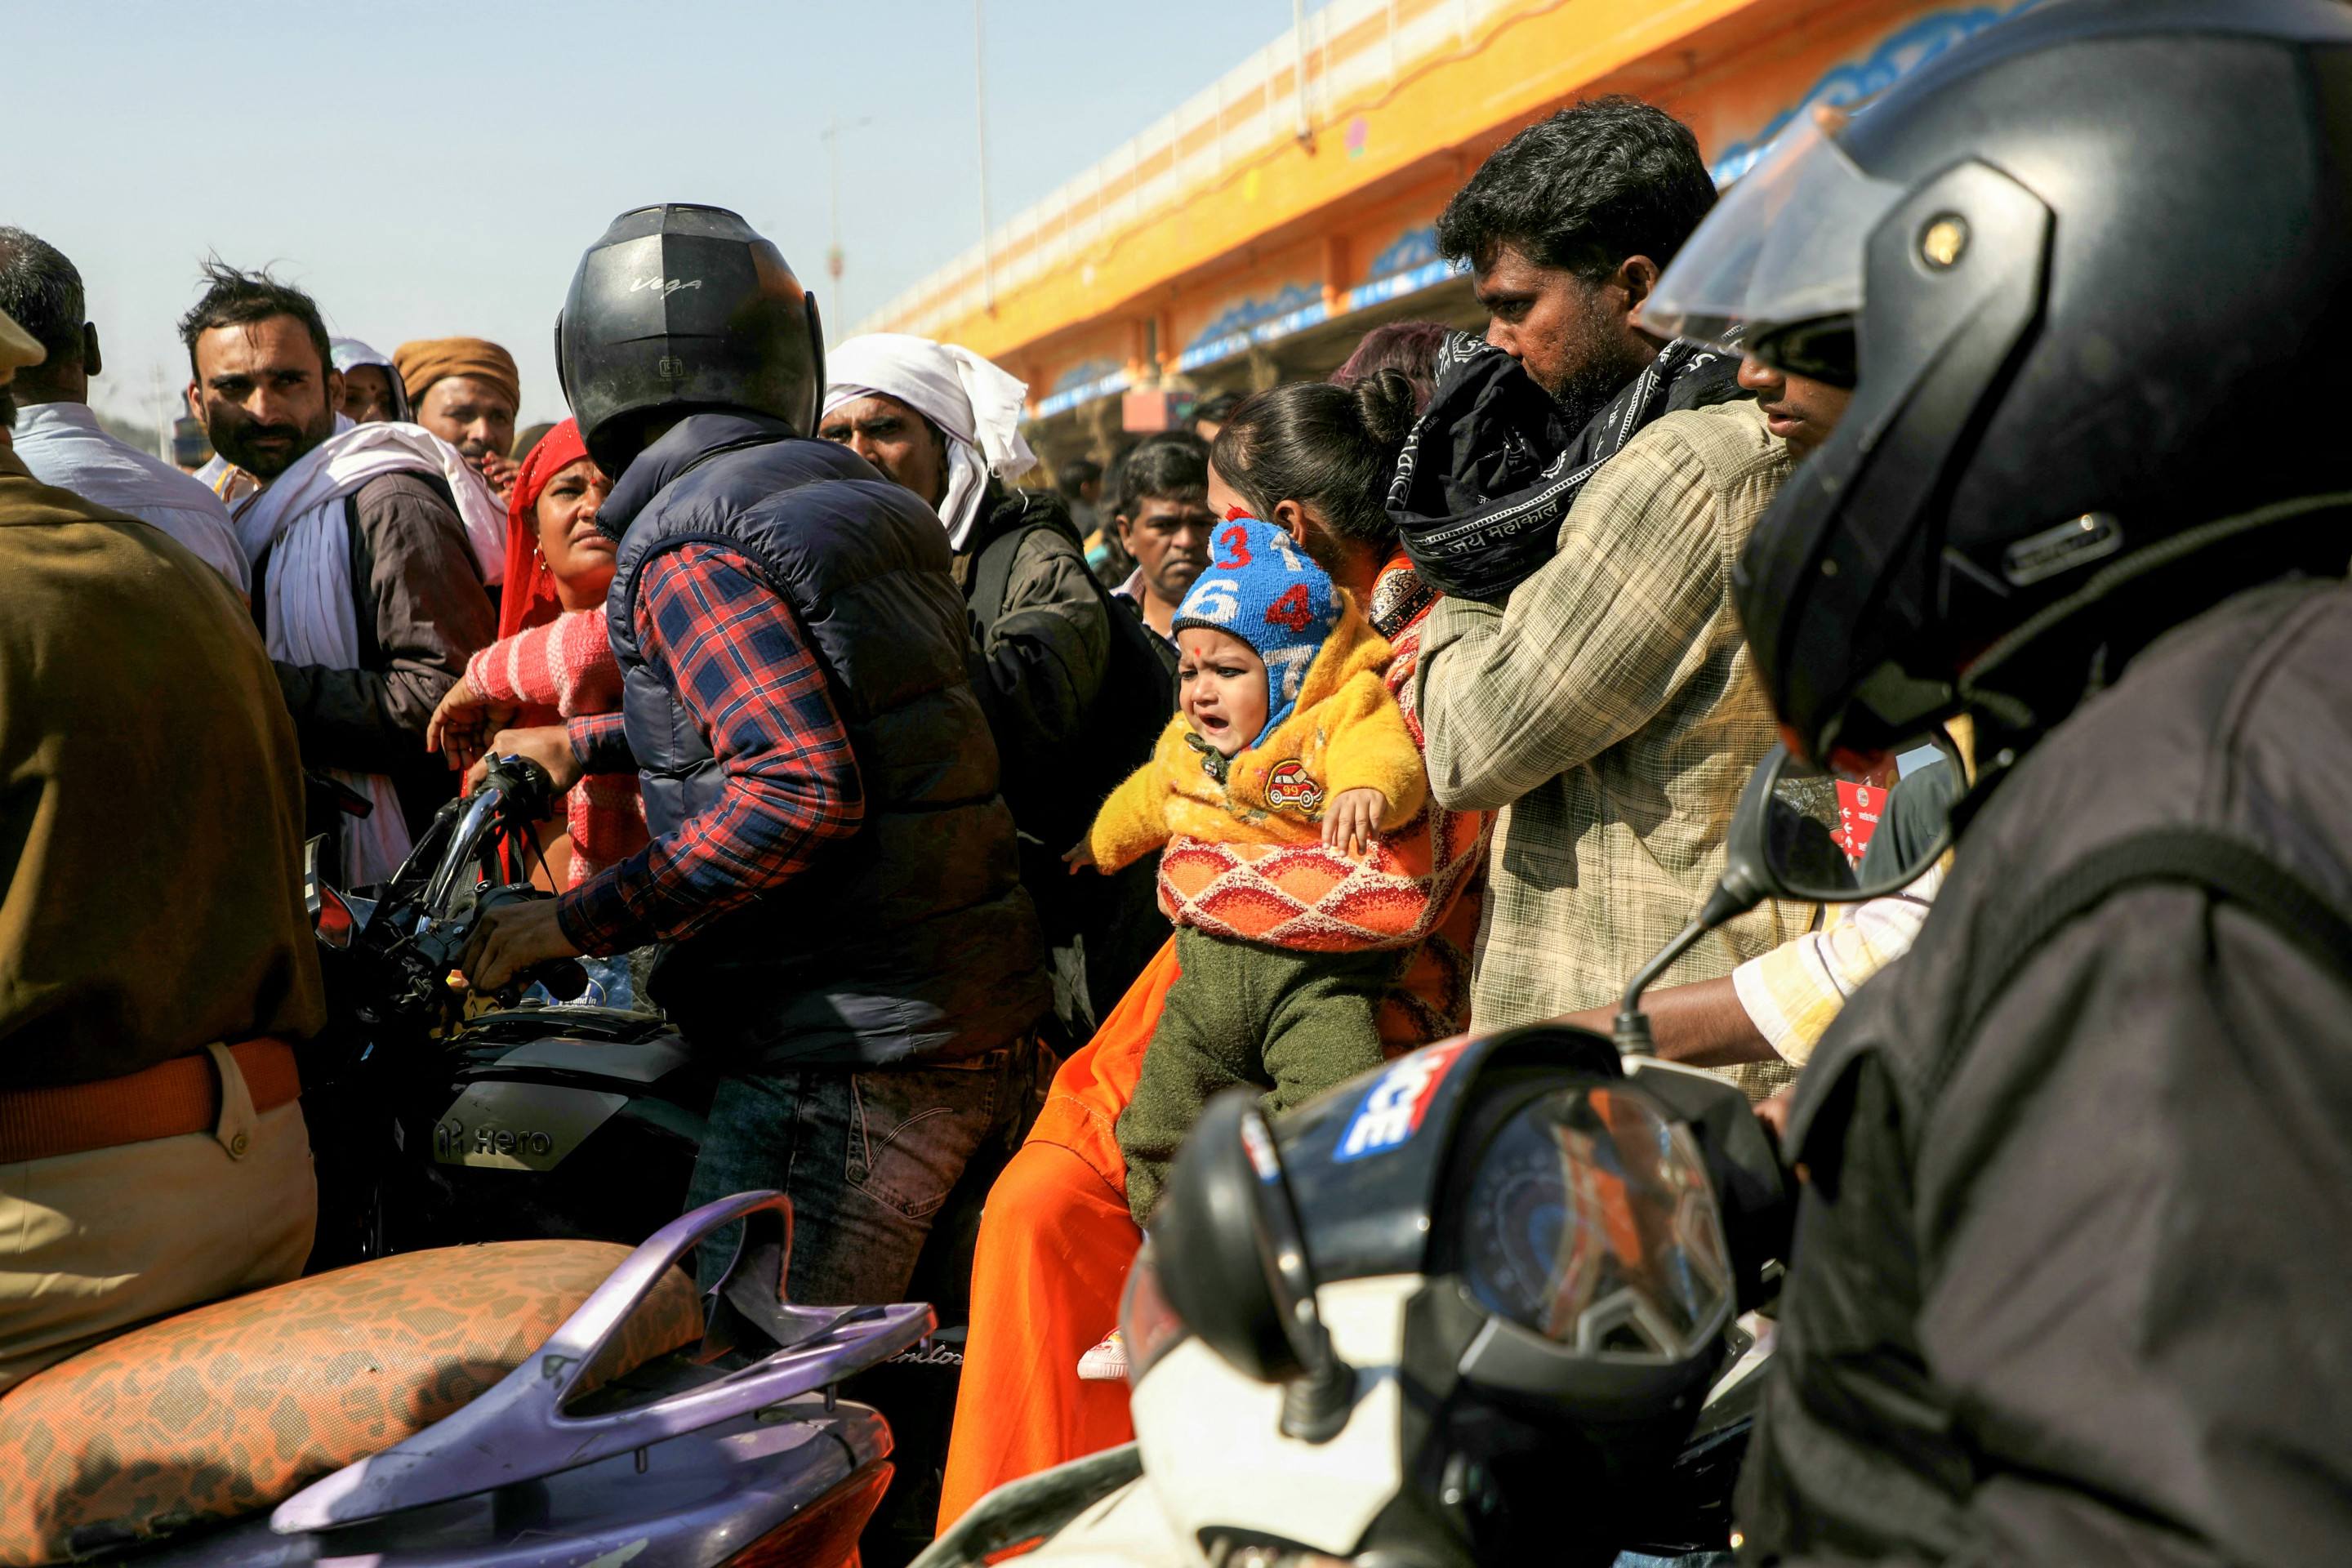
x,y
966,818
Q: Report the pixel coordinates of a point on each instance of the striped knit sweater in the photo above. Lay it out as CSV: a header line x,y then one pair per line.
x,y
561,670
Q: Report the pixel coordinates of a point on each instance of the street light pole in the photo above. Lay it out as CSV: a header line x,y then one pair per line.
x,y
831,135
980,104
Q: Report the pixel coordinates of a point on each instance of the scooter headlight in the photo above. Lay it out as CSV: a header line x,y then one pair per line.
x,y
1588,1220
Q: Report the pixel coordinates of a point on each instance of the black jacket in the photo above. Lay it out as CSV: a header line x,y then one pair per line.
x,y
1076,695
913,936
2075,1285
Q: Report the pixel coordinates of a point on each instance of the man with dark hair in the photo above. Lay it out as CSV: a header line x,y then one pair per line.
x,y
1209,415
156,968
466,391
58,437
366,582
1079,483
1566,229
1162,513
1596,690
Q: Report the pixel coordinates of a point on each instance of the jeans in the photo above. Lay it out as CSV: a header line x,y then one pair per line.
x,y
867,1155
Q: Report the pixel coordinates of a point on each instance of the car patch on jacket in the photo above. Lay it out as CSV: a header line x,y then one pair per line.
x,y
1289,788
1392,1110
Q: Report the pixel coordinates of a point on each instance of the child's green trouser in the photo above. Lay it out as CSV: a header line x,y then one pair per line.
x,y
1291,1024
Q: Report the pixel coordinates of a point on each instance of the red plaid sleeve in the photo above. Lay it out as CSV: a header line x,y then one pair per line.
x,y
731,649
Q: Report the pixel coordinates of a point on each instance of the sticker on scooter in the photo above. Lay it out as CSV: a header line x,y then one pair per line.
x,y
1392,1112
1259,1144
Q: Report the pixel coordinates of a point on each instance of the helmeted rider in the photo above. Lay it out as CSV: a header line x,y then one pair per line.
x,y
2069,1276
832,874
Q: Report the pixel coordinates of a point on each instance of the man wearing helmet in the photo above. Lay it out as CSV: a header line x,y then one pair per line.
x,y
2069,1268
832,876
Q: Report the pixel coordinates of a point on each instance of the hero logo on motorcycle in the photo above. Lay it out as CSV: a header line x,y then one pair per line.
x,y
1392,1112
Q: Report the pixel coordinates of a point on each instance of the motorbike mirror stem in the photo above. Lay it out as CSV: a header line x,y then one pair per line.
x,y
1745,884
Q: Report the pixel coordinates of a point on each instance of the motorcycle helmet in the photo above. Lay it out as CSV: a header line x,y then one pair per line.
x,y
2085,276
678,308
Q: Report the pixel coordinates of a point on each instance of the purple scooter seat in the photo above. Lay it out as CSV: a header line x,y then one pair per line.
x,y
520,1429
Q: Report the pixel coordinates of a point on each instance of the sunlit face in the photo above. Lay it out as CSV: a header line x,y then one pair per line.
x,y
895,439
1170,541
367,396
265,394
576,551
1799,410
1221,687
1570,334
472,414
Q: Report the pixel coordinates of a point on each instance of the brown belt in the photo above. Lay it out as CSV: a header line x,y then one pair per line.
x,y
169,1099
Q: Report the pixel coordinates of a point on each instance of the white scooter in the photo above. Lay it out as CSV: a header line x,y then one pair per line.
x,y
1493,1303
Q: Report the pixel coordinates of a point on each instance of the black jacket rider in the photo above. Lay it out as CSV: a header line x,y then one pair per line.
x,y
2070,1285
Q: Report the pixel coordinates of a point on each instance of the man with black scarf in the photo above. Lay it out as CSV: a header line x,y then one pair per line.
x,y
1579,495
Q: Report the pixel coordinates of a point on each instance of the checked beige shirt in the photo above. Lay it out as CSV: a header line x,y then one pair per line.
x,y
1608,711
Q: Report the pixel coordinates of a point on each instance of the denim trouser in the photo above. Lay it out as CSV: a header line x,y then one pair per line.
x,y
867,1154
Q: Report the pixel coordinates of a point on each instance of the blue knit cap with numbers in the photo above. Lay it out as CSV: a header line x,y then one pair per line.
x,y
1263,589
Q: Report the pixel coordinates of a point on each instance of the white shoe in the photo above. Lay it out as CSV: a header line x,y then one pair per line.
x,y
1106,1362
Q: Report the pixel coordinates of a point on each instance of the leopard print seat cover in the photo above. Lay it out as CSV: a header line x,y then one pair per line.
x,y
235,1407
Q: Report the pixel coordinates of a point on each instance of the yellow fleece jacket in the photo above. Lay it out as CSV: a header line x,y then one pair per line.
x,y
1345,732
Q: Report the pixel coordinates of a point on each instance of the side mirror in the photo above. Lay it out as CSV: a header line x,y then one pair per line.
x,y
1821,837
1233,1265
1797,833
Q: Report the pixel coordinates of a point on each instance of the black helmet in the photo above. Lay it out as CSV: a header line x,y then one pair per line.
x,y
678,308
2089,276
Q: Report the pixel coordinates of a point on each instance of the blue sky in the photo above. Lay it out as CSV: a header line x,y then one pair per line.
x,y
428,169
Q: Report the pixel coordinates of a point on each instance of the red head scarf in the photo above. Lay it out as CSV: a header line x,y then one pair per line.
x,y
529,599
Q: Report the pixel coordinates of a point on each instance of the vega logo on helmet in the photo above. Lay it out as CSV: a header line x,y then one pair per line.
x,y
667,286
1392,1112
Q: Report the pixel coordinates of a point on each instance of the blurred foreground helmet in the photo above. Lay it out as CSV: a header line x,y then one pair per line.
x,y
2089,276
680,307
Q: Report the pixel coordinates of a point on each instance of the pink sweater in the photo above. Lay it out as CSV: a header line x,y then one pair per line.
x,y
562,670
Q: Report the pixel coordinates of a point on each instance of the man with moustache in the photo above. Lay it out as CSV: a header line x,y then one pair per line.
x,y
1162,517
1586,676
465,391
370,549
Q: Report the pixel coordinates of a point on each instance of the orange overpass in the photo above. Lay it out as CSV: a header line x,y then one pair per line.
x,y
1255,233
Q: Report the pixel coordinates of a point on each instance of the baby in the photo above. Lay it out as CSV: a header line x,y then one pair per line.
x,y
1285,739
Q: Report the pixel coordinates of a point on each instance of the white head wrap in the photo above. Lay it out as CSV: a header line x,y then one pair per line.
x,y
975,404
349,352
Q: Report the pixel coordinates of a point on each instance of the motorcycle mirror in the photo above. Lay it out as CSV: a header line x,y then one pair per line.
x,y
1235,1267
1852,835
1800,832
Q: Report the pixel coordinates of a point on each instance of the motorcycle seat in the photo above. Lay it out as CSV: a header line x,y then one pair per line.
x,y
230,1408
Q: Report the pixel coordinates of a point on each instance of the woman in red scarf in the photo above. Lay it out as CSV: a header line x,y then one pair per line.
x,y
554,660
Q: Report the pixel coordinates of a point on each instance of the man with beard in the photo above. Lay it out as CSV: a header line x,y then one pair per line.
x,y
465,391
1586,676
366,584
1074,689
